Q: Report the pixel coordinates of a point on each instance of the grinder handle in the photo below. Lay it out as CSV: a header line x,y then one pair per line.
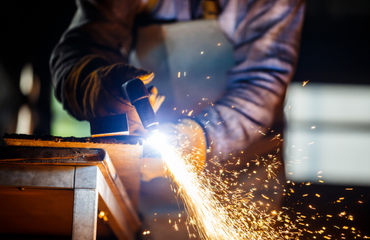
x,y
138,95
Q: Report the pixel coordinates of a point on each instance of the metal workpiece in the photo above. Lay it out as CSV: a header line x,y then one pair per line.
x,y
122,161
62,154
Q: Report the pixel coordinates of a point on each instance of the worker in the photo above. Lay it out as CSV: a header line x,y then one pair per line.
x,y
90,64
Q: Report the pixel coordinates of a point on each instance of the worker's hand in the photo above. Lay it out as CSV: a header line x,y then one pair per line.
x,y
188,137
94,92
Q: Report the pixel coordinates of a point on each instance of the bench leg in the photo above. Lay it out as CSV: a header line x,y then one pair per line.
x,y
85,210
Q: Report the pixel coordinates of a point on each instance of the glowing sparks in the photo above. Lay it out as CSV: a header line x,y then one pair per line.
x,y
310,206
220,212
101,214
215,216
176,227
305,82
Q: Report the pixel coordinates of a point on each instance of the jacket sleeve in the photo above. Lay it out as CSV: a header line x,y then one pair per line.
x,y
266,37
99,37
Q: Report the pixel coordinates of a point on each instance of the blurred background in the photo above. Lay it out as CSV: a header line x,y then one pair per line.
x,y
328,118
328,131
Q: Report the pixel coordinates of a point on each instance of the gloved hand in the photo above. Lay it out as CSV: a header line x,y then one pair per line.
x,y
189,137
93,91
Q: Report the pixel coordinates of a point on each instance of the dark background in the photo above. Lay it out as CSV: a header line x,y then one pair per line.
x,y
335,48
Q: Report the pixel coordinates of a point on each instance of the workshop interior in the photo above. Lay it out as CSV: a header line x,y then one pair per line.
x,y
61,178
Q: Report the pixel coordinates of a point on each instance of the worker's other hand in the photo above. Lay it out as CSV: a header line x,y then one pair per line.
x,y
188,137
93,91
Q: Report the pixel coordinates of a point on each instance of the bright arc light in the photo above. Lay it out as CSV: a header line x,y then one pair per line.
x,y
206,212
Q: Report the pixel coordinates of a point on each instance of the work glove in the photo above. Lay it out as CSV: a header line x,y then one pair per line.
x,y
187,136
93,91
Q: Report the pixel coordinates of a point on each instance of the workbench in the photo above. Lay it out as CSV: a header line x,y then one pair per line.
x,y
53,191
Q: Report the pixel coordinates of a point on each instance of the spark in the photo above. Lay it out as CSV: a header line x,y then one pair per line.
x,y
176,227
219,213
101,214
305,82
179,74
215,216
310,206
